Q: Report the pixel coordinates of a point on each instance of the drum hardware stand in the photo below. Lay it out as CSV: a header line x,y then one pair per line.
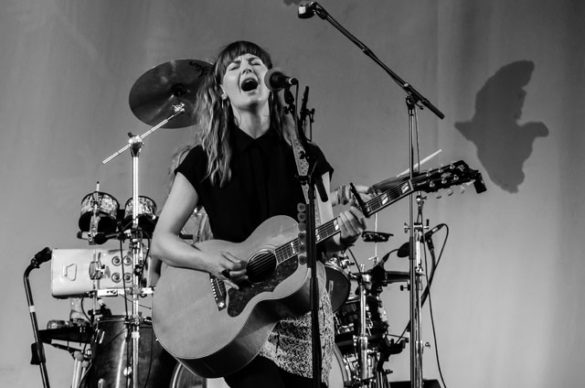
x,y
369,375
135,144
413,99
38,351
362,340
80,365
416,231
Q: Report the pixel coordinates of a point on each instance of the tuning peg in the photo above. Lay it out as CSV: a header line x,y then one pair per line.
x,y
461,189
449,192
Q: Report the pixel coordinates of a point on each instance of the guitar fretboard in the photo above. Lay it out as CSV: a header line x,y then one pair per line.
x,y
331,228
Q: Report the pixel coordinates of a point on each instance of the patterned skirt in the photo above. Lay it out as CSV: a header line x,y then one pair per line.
x,y
290,346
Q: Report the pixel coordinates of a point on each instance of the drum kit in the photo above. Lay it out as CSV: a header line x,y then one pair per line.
x,y
121,350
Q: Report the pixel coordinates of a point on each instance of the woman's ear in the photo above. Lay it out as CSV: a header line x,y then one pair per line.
x,y
222,95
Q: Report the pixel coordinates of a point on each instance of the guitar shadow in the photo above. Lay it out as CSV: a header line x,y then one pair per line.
x,y
503,145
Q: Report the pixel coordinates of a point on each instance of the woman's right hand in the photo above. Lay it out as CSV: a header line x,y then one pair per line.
x,y
227,267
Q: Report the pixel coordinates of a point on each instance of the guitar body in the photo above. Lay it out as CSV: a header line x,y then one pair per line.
x,y
213,341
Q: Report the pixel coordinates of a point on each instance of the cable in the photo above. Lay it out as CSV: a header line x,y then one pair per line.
x,y
90,320
123,278
128,332
429,281
355,261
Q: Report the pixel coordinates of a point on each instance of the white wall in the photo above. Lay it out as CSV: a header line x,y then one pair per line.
x,y
507,294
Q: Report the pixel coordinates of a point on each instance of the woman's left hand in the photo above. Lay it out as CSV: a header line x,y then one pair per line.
x,y
351,224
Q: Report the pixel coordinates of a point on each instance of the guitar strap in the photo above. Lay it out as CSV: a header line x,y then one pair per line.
x,y
303,170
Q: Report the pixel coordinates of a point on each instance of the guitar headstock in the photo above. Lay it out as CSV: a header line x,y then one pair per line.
x,y
391,190
454,174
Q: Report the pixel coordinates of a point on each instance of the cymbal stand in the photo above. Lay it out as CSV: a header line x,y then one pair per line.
x,y
135,144
96,268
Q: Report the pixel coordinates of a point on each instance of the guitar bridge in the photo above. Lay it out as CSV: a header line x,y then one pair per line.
x,y
219,292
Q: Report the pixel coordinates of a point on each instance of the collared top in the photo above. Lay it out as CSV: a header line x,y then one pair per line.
x,y
263,183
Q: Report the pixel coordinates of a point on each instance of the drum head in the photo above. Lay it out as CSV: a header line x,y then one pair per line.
x,y
184,378
106,207
340,373
146,214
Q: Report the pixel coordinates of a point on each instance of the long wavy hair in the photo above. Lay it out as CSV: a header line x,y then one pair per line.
x,y
215,118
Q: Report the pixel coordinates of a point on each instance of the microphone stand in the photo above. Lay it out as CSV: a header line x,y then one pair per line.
x,y
38,351
310,181
413,100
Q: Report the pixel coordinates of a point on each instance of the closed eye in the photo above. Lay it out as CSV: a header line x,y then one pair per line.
x,y
233,65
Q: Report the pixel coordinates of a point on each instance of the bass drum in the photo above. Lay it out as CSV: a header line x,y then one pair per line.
x,y
339,376
110,350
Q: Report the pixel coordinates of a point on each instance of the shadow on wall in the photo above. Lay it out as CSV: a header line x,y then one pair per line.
x,y
502,144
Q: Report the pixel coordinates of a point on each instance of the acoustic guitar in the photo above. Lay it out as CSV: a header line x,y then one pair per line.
x,y
214,330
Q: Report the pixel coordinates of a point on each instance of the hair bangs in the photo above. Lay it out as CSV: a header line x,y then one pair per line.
x,y
236,49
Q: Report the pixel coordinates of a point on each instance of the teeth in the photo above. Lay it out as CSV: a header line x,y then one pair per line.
x,y
249,84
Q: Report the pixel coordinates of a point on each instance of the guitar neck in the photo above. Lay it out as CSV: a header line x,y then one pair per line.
x,y
331,228
429,181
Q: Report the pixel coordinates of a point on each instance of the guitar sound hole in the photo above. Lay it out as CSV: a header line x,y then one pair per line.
x,y
261,267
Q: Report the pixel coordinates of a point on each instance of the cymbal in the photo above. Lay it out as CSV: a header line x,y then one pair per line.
x,y
153,94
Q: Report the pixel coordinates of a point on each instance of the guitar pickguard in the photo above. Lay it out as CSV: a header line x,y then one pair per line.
x,y
238,299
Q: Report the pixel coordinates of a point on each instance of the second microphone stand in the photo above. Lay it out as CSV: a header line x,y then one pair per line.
x,y
413,99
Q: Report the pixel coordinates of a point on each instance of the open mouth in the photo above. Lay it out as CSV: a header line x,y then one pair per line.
x,y
249,84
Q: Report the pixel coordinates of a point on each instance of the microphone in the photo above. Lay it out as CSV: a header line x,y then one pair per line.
x,y
307,10
276,80
404,250
43,255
